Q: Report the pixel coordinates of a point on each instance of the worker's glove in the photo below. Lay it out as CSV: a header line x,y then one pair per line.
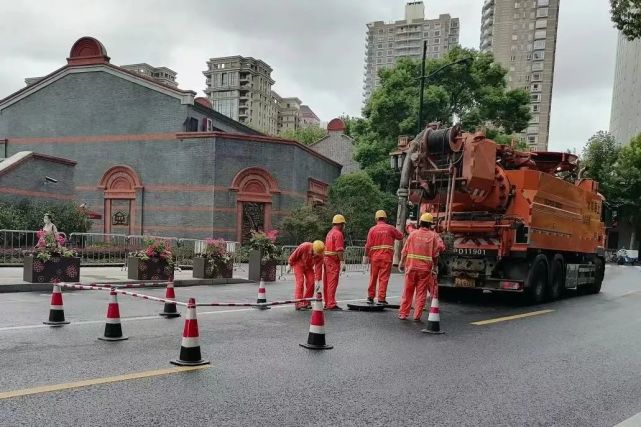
x,y
342,267
365,260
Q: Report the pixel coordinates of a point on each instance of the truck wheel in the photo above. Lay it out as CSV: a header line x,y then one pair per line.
x,y
595,287
537,281
557,285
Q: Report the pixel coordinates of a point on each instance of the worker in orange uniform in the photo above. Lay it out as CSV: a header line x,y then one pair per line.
x,y
307,263
379,252
333,261
422,247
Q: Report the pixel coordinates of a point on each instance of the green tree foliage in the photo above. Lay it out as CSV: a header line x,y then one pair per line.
x,y
474,92
305,135
357,197
626,15
626,175
27,215
306,224
599,157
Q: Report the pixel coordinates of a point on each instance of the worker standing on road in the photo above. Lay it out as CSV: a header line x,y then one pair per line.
x,y
420,250
307,263
333,261
379,252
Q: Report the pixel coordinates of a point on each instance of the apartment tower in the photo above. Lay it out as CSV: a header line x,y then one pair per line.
x,y
522,36
385,43
625,118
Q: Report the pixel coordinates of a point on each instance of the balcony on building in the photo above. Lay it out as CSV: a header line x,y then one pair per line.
x,y
488,4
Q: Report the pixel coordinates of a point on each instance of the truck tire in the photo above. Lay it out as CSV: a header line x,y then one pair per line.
x,y
595,287
557,279
537,281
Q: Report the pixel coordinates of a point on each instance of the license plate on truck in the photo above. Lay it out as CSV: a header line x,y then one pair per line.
x,y
463,282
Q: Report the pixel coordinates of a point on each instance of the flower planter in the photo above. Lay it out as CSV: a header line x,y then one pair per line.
x,y
268,270
62,269
203,269
154,268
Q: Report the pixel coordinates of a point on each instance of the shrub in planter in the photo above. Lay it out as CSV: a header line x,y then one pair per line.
x,y
155,262
266,244
51,261
214,261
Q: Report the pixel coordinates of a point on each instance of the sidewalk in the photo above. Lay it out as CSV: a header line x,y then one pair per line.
x,y
11,278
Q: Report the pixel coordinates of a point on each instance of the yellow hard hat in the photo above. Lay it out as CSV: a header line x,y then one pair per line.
x,y
380,214
427,217
318,247
338,219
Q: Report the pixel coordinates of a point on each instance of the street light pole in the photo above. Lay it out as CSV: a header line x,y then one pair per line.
x,y
422,85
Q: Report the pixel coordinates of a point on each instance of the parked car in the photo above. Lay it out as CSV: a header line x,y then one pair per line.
x,y
627,257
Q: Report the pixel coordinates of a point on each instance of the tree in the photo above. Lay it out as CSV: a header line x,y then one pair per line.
x,y
626,175
306,224
626,15
599,158
305,135
475,93
357,197
27,215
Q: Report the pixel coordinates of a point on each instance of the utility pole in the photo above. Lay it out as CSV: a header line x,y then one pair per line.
x,y
422,86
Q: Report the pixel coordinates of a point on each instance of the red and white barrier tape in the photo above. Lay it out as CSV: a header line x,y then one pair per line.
x,y
134,294
253,304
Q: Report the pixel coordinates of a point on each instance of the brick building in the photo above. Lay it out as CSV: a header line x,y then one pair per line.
x,y
337,146
151,158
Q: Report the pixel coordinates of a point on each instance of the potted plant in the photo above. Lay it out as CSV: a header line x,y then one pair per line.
x,y
214,261
264,243
51,260
155,262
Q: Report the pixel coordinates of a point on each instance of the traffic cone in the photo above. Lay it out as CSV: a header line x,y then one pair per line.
x,y
56,310
190,345
316,337
262,296
170,310
434,319
113,330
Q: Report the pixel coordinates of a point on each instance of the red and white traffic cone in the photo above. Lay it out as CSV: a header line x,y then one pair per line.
x,y
190,345
56,310
170,309
262,297
113,330
316,337
434,319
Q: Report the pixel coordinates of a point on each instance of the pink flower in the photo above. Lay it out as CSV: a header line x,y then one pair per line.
x,y
149,252
272,235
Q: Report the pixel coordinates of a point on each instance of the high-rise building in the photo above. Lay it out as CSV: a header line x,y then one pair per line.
x,y
240,88
162,74
522,36
385,43
308,117
625,118
289,118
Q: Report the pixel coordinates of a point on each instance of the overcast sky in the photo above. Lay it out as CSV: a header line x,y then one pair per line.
x,y
316,48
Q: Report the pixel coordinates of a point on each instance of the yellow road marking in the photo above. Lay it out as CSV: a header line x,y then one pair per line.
x,y
516,316
96,381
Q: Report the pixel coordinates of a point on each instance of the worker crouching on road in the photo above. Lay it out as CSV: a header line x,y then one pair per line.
x,y
333,261
307,263
379,252
421,249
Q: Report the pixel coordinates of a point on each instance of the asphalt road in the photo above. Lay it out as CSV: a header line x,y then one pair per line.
x,y
577,365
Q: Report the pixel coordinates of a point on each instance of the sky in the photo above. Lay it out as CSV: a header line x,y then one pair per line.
x,y
316,48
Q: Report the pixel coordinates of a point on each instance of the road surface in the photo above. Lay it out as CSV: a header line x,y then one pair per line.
x,y
575,362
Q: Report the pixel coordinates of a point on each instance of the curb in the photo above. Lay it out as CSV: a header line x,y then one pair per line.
x,y
46,287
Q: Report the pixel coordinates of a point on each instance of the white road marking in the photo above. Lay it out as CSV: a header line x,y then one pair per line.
x,y
633,421
135,319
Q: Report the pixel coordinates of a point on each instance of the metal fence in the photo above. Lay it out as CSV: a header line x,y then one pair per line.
x,y
102,249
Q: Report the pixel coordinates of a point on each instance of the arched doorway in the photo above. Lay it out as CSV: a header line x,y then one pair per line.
x,y
121,186
254,188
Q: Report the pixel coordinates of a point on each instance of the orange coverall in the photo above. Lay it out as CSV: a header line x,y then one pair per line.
x,y
307,267
334,244
380,251
421,247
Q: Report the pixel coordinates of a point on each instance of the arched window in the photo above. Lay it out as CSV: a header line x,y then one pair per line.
x,y
121,185
255,188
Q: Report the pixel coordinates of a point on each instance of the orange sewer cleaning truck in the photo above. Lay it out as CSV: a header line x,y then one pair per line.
x,y
512,221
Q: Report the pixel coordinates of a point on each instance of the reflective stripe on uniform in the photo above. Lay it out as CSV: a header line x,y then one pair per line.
x,y
381,247
330,253
419,257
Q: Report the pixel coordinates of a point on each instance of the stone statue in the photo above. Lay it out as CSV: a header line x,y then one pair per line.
x,y
49,227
